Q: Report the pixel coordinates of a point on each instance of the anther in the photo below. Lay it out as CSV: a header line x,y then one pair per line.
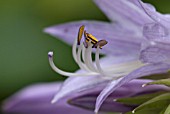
x,y
100,43
91,37
50,54
80,34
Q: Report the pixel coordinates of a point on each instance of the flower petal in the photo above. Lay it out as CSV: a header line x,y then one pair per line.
x,y
143,71
77,84
156,16
129,89
154,53
36,100
88,102
123,11
119,39
156,32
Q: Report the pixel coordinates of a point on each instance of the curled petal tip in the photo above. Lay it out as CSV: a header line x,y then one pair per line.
x,y
96,112
53,101
46,30
133,111
114,100
144,85
50,54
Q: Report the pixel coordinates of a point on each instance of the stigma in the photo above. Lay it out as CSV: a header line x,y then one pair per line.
x,y
82,54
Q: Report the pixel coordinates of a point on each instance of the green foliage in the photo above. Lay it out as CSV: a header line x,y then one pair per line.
x,y
157,103
137,100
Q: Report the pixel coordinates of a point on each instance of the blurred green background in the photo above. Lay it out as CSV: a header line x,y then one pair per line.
x,y
24,46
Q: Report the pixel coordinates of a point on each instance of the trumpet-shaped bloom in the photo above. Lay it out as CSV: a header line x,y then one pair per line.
x,y
124,60
35,99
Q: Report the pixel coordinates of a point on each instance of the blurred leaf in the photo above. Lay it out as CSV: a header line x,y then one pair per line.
x,y
157,76
138,99
167,111
157,102
160,82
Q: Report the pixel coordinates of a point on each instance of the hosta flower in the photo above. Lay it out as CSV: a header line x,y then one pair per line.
x,y
35,99
124,35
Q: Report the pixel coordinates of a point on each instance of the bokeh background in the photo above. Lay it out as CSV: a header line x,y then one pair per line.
x,y
24,46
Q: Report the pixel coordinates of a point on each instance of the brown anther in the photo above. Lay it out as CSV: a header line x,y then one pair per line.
x,y
100,43
80,33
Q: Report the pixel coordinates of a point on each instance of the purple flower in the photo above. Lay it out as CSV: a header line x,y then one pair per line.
x,y
124,60
35,99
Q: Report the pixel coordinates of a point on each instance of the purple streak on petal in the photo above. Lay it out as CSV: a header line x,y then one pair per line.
x,y
119,39
123,11
156,16
88,102
155,32
36,100
143,71
160,52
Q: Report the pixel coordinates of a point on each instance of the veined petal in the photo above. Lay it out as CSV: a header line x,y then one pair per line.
x,y
159,52
156,16
129,89
35,99
123,11
77,84
156,32
88,102
119,39
143,71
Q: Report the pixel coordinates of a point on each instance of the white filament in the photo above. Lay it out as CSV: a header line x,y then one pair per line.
x,y
74,50
88,58
79,62
56,69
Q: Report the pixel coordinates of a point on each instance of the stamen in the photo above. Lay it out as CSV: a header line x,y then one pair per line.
x,y
56,69
100,43
80,63
83,57
98,63
85,43
80,34
117,70
74,51
91,37
88,58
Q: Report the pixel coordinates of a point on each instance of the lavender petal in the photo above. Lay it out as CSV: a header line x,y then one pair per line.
x,y
119,38
143,71
129,89
125,14
36,100
156,32
156,16
159,52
